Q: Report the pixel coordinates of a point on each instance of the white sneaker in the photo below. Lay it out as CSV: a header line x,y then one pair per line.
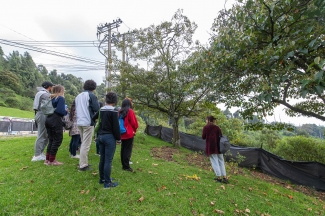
x,y
130,162
38,158
43,156
76,156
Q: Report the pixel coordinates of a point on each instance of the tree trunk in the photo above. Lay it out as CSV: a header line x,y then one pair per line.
x,y
176,138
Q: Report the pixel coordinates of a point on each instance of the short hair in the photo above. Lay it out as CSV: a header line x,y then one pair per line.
x,y
211,118
111,98
90,85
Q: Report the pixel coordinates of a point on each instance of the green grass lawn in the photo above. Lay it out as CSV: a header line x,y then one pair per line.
x,y
12,112
158,187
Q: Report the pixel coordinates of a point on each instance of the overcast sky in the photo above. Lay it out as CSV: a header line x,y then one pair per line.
x,y
77,20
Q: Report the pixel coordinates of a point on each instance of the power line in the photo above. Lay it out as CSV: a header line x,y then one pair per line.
x,y
50,52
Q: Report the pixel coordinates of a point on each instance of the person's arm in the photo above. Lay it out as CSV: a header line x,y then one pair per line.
x,y
95,117
133,120
93,104
116,126
204,136
60,107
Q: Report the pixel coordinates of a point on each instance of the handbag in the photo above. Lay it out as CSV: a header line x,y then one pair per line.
x,y
224,144
97,124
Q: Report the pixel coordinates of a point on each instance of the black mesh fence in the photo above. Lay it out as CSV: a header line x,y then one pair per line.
x,y
12,125
311,174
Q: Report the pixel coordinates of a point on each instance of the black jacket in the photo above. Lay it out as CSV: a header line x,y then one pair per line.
x,y
109,123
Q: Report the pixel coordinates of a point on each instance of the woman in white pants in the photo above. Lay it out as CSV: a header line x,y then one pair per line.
x,y
211,134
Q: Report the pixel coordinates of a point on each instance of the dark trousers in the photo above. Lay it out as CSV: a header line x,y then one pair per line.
x,y
54,128
107,147
126,151
74,144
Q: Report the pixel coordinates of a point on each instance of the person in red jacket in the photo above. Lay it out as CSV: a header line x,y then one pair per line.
x,y
211,134
131,126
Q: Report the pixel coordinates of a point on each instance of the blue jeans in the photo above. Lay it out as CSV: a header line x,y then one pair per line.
x,y
107,146
74,143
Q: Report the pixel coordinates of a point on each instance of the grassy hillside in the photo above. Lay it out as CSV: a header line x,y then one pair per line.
x,y
12,112
159,186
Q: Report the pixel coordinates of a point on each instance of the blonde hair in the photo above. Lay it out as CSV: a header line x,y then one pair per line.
x,y
57,90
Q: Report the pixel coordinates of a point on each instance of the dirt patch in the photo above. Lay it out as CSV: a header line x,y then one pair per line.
x,y
203,162
164,152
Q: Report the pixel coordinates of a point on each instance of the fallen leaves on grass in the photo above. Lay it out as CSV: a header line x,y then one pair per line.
x,y
92,200
25,167
94,173
141,199
212,203
218,211
223,187
193,177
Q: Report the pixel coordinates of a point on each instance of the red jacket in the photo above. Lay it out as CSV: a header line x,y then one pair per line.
x,y
211,134
130,124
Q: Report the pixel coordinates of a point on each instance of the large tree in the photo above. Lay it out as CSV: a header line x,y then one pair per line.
x,y
266,53
171,81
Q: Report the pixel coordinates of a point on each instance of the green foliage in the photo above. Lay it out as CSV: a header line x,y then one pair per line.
x,y
13,103
6,92
171,83
26,104
263,54
301,148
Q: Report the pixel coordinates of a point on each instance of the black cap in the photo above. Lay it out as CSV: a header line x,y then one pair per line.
x,y
47,84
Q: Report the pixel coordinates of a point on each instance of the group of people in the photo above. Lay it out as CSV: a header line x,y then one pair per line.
x,y
85,111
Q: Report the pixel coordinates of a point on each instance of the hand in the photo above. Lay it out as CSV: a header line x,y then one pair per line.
x,y
118,142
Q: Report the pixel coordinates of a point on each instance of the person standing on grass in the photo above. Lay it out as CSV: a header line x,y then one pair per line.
x,y
86,106
54,125
108,133
74,132
211,134
131,125
42,137
95,135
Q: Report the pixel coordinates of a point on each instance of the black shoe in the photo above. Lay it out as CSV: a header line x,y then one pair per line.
x,y
87,168
218,180
224,180
129,169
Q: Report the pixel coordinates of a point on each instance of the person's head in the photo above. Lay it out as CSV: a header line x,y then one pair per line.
x,y
210,119
58,90
111,98
47,85
90,85
127,103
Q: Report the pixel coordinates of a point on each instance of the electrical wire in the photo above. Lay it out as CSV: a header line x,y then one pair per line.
x,y
50,52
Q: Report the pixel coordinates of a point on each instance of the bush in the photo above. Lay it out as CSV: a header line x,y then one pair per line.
x,y
6,92
301,148
12,103
26,104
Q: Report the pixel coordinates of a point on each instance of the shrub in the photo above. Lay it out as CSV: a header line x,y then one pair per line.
x,y
12,103
26,104
300,148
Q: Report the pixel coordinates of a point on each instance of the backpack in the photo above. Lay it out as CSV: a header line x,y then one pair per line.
x,y
47,107
224,144
122,128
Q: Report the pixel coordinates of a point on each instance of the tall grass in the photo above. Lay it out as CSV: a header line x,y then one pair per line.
x,y
158,187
